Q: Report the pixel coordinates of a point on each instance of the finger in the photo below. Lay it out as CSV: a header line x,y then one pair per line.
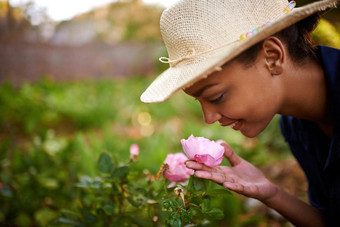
x,y
241,189
197,166
233,158
234,187
213,176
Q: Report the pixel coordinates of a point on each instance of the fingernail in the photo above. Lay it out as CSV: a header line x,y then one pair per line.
x,y
188,164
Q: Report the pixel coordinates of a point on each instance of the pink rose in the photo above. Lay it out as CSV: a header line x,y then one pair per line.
x,y
177,171
134,149
203,150
134,152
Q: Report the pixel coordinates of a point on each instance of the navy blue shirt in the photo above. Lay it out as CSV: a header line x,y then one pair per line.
x,y
317,154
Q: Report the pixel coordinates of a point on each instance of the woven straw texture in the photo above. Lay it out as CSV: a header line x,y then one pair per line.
x,y
202,35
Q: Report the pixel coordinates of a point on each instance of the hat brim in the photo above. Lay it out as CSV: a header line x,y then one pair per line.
x,y
186,73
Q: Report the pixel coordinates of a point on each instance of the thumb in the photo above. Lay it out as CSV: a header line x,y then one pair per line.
x,y
233,158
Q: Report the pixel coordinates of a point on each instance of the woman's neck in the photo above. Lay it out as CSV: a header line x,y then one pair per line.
x,y
305,94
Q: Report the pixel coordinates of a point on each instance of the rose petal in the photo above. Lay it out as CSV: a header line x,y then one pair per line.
x,y
177,170
208,160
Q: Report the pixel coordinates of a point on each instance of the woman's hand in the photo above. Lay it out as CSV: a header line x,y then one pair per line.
x,y
242,177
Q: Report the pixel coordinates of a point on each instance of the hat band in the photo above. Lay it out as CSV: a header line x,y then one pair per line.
x,y
191,55
192,51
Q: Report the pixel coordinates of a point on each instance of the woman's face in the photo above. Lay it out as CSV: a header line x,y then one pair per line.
x,y
245,98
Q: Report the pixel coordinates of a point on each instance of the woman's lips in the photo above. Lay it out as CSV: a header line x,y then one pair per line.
x,y
234,125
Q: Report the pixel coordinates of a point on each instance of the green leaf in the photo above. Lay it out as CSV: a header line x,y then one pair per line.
x,y
218,192
134,201
105,163
121,172
214,214
196,200
175,220
186,215
108,207
191,183
49,183
199,184
166,204
196,211
67,221
169,203
88,217
44,216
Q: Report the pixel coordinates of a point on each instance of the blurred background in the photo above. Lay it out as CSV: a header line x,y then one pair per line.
x,y
71,74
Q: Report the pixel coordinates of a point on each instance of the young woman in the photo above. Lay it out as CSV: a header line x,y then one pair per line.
x,y
245,61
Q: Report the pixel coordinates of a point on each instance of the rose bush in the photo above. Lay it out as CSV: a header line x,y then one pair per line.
x,y
203,150
177,171
124,196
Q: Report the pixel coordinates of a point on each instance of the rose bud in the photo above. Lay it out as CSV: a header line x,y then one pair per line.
x,y
134,152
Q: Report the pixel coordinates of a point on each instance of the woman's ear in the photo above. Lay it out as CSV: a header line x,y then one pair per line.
x,y
274,53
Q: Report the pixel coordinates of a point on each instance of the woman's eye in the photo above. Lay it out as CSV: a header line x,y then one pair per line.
x,y
219,99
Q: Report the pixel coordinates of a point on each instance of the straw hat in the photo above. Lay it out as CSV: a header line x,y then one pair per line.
x,y
202,35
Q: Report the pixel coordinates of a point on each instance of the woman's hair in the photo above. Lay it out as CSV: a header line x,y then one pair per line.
x,y
297,39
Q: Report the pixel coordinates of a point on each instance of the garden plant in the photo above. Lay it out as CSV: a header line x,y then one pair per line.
x,y
65,158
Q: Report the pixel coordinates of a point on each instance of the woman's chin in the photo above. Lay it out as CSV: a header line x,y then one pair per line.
x,y
250,133
252,130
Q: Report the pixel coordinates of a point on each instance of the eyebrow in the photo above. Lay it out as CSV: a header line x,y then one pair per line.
x,y
200,91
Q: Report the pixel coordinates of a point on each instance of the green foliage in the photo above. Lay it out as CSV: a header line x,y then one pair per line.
x,y
105,163
63,146
192,204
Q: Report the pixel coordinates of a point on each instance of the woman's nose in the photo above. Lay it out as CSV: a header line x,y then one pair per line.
x,y
210,114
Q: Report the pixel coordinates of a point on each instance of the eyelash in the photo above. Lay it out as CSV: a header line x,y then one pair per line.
x,y
219,99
